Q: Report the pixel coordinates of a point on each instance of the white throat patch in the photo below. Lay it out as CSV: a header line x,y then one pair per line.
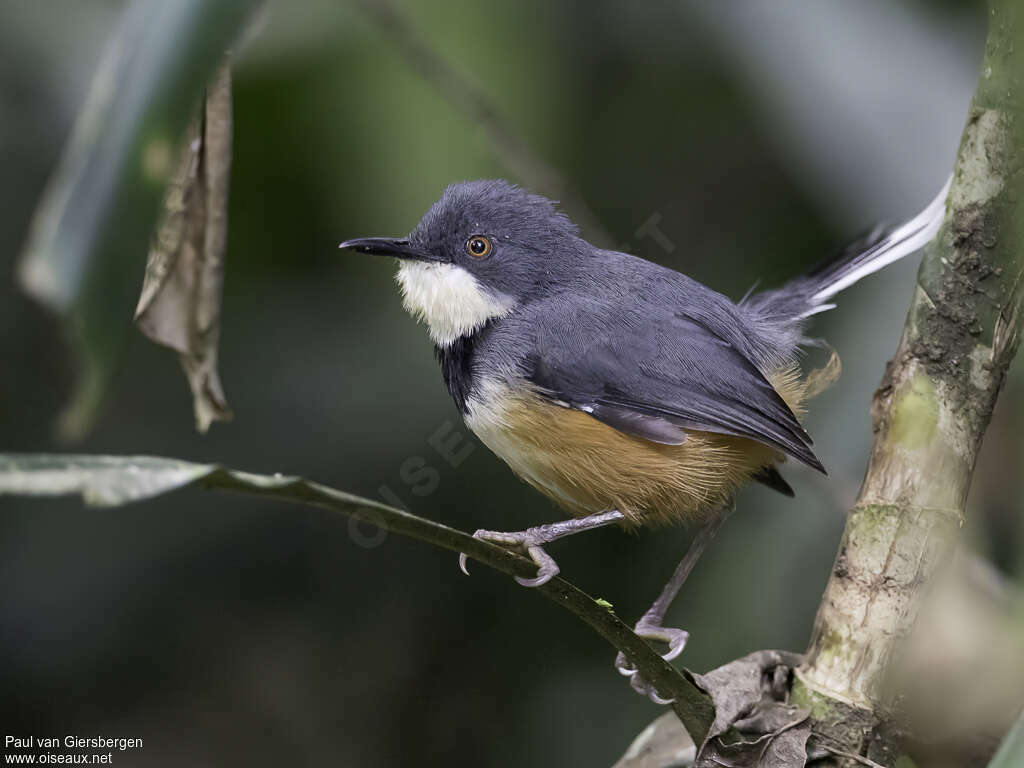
x,y
448,299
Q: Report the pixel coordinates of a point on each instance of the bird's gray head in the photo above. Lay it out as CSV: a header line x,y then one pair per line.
x,y
483,249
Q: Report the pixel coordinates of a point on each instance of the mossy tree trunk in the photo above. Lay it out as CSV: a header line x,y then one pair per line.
x,y
929,416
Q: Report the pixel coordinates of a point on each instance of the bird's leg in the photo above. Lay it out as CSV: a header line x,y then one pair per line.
x,y
532,540
650,626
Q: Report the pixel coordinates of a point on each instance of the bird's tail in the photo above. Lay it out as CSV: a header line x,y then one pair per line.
x,y
810,294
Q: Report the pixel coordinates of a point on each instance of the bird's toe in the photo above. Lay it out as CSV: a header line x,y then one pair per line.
x,y
547,568
675,638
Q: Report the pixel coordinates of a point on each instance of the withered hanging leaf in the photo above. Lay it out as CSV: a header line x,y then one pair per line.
x,y
82,256
181,294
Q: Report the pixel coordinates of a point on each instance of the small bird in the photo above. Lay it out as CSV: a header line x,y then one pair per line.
x,y
625,391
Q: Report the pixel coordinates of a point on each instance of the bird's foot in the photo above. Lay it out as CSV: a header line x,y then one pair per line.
x,y
650,629
531,542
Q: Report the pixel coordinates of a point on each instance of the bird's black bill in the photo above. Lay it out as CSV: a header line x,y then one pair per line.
x,y
385,246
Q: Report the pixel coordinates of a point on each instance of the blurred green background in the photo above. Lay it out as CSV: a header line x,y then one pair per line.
x,y
227,631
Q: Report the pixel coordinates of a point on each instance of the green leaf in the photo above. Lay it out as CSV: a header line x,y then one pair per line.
x,y
1011,751
109,481
104,481
86,249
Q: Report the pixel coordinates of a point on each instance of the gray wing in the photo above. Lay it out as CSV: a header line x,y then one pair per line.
x,y
655,376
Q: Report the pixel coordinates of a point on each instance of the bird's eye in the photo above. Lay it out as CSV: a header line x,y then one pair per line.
x,y
478,246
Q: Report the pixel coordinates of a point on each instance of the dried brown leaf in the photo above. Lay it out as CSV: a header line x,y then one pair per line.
x,y
181,293
662,744
754,727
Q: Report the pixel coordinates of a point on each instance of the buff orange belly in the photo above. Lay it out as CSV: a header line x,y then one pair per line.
x,y
587,466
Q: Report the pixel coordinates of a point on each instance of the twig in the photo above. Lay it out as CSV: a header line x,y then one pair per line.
x,y
692,705
110,481
510,148
851,756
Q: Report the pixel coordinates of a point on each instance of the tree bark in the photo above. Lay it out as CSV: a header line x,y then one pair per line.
x,y
929,416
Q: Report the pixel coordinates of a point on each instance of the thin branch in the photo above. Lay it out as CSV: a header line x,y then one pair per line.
x,y
510,148
691,705
115,480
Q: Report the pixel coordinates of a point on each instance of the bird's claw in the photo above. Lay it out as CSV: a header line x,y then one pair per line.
x,y
637,682
676,640
622,665
527,541
644,688
547,568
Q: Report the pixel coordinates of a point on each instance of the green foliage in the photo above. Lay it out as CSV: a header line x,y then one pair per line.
x,y
1011,752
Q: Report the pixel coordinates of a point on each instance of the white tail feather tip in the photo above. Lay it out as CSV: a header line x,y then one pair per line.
x,y
901,242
